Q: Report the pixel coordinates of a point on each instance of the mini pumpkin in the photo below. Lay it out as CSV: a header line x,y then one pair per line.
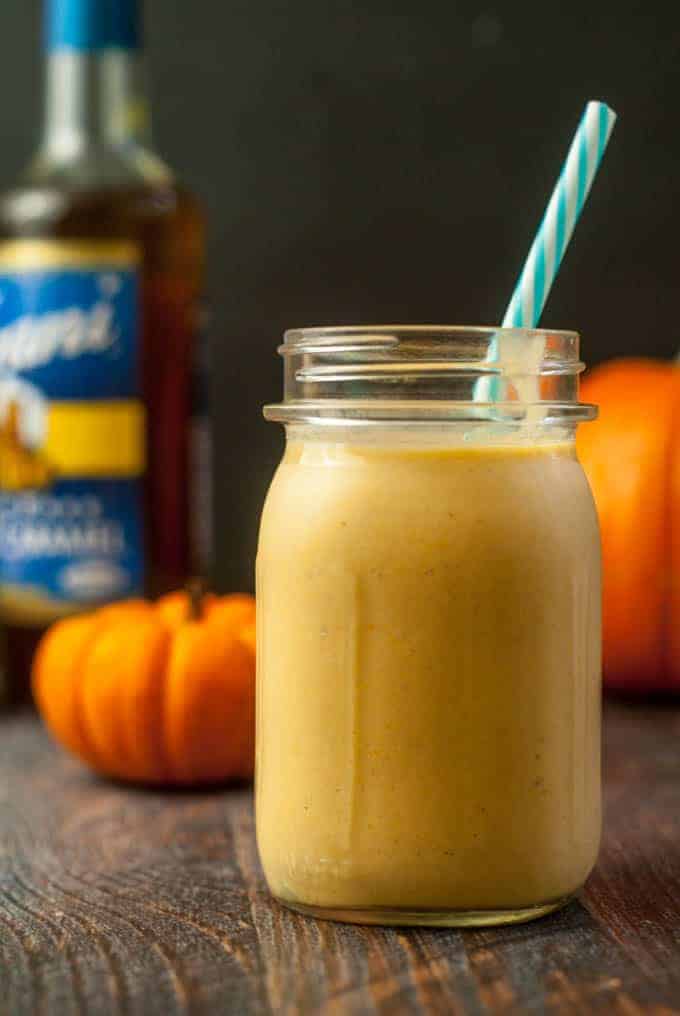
x,y
154,692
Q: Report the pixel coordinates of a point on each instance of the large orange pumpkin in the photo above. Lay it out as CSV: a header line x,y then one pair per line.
x,y
154,693
632,457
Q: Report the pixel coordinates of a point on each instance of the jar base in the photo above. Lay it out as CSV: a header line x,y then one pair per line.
x,y
398,917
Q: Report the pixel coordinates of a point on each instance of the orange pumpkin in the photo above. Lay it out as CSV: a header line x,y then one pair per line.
x,y
154,693
632,457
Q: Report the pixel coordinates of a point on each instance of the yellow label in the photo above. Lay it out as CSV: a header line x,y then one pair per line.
x,y
96,438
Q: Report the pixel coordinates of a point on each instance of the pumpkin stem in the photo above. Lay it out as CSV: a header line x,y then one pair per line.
x,y
195,592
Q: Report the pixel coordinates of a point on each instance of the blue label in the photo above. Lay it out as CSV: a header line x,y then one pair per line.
x,y
81,543
71,333
71,428
92,24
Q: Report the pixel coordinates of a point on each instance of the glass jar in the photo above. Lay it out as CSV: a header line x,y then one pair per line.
x,y
428,580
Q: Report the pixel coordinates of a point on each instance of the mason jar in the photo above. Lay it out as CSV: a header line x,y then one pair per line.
x,y
428,581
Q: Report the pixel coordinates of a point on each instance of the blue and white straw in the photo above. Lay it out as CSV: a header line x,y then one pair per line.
x,y
561,215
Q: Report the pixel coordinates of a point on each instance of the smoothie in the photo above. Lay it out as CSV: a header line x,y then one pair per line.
x,y
428,675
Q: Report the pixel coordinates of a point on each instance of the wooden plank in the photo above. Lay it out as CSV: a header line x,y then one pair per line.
x,y
119,900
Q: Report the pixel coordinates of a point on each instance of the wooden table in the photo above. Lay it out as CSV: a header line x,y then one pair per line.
x,y
127,901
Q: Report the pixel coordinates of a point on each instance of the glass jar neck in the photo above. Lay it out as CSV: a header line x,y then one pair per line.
x,y
94,99
506,379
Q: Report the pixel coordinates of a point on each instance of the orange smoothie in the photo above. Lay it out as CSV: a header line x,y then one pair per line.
x,y
428,677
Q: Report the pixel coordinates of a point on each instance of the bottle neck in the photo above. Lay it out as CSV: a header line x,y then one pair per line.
x,y
94,100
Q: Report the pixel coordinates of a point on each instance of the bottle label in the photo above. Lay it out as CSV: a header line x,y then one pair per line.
x,y
72,452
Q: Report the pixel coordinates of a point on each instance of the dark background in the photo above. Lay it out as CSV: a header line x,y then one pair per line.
x,y
389,161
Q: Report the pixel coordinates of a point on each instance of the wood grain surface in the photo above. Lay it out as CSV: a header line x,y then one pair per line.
x,y
117,900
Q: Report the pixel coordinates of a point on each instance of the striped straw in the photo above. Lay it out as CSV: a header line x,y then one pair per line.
x,y
561,215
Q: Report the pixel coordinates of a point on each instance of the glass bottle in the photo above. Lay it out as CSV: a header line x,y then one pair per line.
x,y
101,262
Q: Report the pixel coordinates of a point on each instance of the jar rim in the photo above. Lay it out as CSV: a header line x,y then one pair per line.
x,y
297,336
430,373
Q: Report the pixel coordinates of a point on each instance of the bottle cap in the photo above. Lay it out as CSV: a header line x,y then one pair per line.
x,y
88,25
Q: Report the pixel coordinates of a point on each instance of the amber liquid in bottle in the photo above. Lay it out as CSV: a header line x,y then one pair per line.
x,y
96,180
